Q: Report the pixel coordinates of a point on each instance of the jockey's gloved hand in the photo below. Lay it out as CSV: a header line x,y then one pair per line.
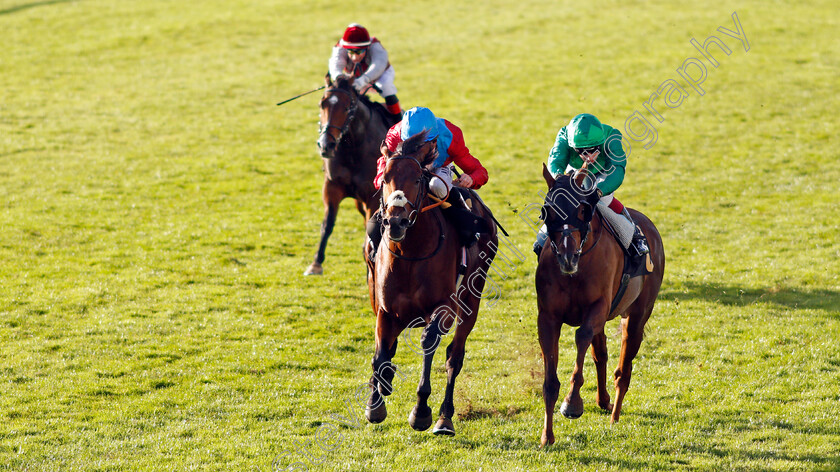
x,y
360,83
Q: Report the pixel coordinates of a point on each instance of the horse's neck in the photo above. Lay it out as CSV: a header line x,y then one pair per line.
x,y
419,243
361,121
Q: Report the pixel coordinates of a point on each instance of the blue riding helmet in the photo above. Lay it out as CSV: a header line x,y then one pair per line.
x,y
419,119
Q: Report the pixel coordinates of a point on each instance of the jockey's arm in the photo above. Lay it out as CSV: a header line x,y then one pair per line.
x,y
462,158
615,160
392,139
338,60
378,62
613,179
558,157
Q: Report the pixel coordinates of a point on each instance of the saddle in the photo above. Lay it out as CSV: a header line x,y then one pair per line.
x,y
467,223
634,265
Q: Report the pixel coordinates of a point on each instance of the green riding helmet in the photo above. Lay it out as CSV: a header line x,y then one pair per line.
x,y
585,131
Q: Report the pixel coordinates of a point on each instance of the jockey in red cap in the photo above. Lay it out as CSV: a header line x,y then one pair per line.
x,y
363,57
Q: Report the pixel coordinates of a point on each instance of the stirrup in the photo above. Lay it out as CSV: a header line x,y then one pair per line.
x,y
639,243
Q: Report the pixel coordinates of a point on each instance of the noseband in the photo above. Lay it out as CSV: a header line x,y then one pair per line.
x,y
351,112
566,230
416,209
424,190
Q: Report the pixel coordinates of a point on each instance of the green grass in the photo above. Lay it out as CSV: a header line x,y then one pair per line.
x,y
158,211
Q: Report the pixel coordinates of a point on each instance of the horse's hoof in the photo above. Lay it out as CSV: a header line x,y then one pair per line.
x,y
420,423
378,414
571,411
444,427
547,439
314,269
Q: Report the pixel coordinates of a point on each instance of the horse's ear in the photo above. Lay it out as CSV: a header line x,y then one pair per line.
x,y
383,148
328,80
581,176
549,179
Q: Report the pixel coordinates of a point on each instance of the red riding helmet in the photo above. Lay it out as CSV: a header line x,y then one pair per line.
x,y
355,37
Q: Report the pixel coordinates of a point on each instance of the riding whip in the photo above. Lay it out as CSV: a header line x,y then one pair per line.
x,y
477,197
305,93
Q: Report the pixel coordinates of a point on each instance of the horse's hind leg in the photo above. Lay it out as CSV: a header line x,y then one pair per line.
x,y
549,334
333,194
632,329
420,417
599,356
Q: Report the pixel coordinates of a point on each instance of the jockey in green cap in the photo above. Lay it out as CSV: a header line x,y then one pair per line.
x,y
586,139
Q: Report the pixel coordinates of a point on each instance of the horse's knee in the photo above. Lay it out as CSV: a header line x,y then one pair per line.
x,y
551,390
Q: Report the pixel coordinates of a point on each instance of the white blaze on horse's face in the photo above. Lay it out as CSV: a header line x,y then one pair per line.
x,y
396,199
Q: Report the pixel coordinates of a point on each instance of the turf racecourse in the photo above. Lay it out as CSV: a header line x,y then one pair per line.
x,y
158,211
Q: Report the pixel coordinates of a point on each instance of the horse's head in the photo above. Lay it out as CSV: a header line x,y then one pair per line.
x,y
405,184
567,212
338,106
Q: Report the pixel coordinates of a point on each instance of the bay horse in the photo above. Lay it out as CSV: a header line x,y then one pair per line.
x,y
412,282
578,275
351,129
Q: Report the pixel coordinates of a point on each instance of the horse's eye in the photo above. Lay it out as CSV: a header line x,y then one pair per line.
x,y
417,181
543,213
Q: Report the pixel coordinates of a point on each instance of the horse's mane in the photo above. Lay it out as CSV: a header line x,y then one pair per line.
x,y
343,82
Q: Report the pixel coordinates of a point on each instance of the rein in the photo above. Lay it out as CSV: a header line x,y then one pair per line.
x,y
412,217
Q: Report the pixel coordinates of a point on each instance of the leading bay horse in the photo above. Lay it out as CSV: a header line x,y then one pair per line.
x,y
351,129
413,282
578,275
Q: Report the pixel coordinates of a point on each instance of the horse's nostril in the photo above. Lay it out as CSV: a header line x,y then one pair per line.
x,y
386,222
404,222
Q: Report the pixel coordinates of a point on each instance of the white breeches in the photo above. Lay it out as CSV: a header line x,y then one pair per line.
x,y
441,185
385,83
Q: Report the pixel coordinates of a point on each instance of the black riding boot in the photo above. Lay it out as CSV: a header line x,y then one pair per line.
x,y
467,223
638,242
374,233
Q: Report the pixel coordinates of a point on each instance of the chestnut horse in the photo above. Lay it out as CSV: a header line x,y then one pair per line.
x,y
351,129
578,275
413,282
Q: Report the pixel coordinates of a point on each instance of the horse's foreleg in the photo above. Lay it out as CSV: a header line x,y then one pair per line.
x,y
631,338
572,406
599,356
333,194
549,334
383,368
420,417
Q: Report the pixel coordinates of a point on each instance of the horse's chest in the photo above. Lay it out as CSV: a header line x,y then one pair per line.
x,y
409,302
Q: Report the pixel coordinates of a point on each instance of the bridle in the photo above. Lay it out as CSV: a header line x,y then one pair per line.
x,y
566,230
350,112
416,208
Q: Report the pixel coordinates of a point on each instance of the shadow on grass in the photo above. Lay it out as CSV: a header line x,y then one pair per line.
x,y
27,6
732,295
